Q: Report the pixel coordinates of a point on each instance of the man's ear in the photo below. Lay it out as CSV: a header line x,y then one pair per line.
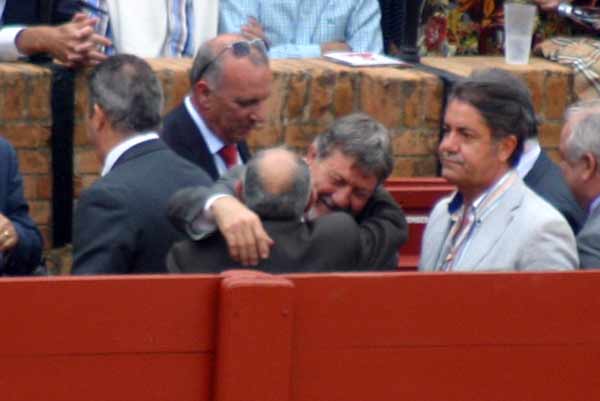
x,y
506,147
98,119
201,93
590,166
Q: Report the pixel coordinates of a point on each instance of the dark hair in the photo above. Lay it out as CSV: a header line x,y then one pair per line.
x,y
128,91
503,101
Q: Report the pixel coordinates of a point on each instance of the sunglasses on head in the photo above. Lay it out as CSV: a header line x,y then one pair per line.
x,y
240,49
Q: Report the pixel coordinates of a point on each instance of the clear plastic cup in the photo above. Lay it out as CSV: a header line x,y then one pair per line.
x,y
518,30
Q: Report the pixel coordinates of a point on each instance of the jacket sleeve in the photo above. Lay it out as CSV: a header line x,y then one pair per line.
x,y
26,255
383,229
186,208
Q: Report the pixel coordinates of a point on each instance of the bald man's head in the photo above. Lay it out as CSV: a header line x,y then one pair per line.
x,y
277,184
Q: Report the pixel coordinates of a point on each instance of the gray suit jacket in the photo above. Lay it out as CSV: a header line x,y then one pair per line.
x,y
588,241
523,232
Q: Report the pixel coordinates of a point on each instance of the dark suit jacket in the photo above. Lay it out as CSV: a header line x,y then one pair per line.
x,y
182,135
35,12
121,224
331,243
382,226
27,254
546,179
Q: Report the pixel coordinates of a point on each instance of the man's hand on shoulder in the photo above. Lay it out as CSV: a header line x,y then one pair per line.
x,y
242,229
74,43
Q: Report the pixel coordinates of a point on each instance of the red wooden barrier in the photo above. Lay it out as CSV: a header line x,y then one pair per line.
x,y
350,337
417,196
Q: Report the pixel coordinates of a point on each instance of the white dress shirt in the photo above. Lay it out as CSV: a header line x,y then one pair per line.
x,y
117,151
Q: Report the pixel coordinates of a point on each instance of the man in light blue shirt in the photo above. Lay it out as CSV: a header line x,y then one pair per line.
x,y
306,28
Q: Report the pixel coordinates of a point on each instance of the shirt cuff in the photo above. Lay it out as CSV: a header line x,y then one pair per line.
x,y
204,223
8,46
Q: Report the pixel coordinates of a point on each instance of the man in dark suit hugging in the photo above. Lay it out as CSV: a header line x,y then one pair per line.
x,y
276,185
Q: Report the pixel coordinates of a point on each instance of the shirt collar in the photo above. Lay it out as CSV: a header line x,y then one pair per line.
x,y
123,147
213,142
531,152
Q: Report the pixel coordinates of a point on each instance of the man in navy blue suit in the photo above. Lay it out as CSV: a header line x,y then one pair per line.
x,y
20,240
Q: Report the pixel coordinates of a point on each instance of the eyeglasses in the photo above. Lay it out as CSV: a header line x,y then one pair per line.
x,y
240,49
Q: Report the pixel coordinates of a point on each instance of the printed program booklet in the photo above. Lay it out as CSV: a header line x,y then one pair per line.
x,y
364,59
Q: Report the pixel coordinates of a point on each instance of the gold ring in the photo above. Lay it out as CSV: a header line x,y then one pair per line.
x,y
5,233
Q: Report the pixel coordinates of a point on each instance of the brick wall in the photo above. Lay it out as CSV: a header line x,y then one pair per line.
x,y
307,96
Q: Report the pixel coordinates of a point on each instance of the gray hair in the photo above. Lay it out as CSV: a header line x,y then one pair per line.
x,y
289,200
128,91
206,55
584,138
361,137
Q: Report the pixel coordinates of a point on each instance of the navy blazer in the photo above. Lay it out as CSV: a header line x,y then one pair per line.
x,y
26,256
35,12
181,134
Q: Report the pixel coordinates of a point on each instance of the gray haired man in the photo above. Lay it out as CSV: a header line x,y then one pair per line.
x,y
347,163
120,222
580,153
276,185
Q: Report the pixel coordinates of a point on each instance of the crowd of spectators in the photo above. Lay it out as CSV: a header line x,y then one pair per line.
x,y
188,182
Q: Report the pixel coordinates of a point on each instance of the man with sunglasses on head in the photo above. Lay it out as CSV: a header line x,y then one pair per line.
x,y
347,163
231,80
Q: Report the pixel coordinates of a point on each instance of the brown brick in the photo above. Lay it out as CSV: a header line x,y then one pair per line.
x,y
88,179
432,101
556,96
33,161
80,134
297,97
27,136
413,104
81,93
382,98
553,154
14,99
39,98
300,136
322,87
44,187
415,167
535,83
344,100
275,104
86,161
415,143
404,167
40,211
265,136
549,134
30,186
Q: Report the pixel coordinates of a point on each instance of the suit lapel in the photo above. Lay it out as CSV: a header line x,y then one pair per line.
x,y
493,225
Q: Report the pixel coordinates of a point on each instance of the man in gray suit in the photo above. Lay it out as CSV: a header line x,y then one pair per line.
x,y
580,153
494,221
276,185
